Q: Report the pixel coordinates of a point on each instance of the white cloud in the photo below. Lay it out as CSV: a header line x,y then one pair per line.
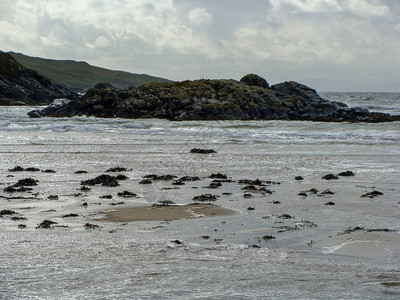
x,y
199,16
306,6
366,9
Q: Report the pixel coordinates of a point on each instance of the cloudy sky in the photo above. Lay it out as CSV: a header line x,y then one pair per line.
x,y
330,45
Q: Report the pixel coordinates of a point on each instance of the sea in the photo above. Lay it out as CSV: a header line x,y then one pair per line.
x,y
337,243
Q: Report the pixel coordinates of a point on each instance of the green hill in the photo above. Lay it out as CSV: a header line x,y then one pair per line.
x,y
79,76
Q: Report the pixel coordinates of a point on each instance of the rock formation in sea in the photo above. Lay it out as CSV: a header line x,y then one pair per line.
x,y
249,99
22,86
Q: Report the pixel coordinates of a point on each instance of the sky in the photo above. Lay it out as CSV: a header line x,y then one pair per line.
x,y
329,45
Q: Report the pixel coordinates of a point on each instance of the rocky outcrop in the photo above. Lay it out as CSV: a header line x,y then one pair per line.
x,y
210,100
22,86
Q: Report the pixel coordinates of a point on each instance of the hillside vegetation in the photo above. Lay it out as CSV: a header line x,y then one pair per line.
x,y
79,76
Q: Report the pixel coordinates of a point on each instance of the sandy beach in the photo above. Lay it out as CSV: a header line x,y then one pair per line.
x,y
165,213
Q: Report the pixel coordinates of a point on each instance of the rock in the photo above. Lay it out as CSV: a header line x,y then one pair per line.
x,y
330,177
26,182
32,169
22,86
249,99
165,203
117,169
52,197
327,192
202,151
298,178
268,237
255,80
91,226
346,174
127,194
218,176
104,180
70,216
330,203
372,194
49,171
21,226
7,212
121,177
80,172
160,177
17,169
106,197
250,208
46,224
189,178
205,198
145,181
214,185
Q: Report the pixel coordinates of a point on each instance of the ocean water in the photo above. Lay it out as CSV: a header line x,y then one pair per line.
x,y
219,257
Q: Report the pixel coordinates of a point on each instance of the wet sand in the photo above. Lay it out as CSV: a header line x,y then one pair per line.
x,y
165,213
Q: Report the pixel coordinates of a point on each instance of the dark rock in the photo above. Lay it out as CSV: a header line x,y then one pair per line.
x,y
285,217
106,197
7,212
251,182
247,195
85,189
70,216
52,197
330,177
304,194
117,203
219,176
104,180
46,224
18,218
26,182
165,203
91,226
32,169
17,169
117,169
80,172
177,242
255,80
205,198
330,203
268,237
266,191
327,192
214,185
346,174
122,177
49,171
160,177
351,230
212,100
145,181
250,208
298,178
127,194
189,178
372,194
84,204
21,226
178,182
202,151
